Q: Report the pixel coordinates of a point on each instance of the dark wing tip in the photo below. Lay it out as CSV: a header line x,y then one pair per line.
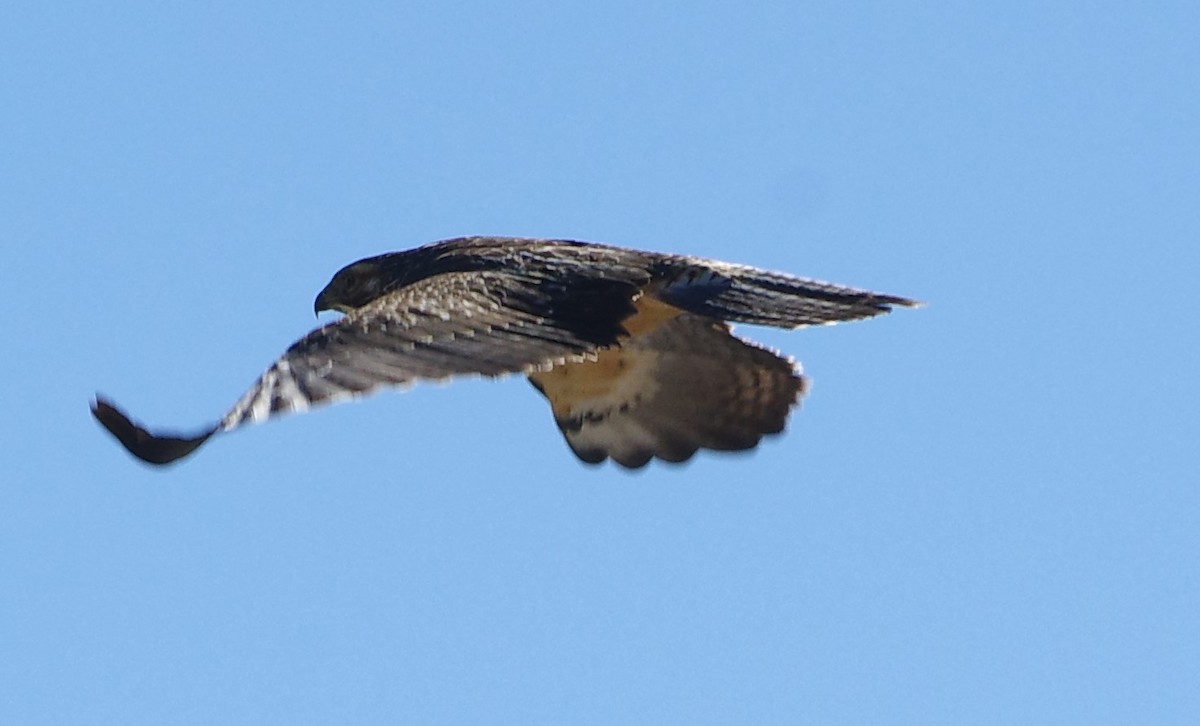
x,y
901,302
878,303
146,446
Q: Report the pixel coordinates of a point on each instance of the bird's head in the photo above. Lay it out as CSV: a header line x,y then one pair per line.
x,y
352,287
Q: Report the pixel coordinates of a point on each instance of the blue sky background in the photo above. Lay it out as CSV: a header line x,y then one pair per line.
x,y
987,511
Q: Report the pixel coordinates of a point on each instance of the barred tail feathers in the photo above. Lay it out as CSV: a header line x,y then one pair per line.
x,y
687,385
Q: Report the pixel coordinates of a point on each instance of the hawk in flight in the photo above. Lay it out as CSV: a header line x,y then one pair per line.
x,y
632,349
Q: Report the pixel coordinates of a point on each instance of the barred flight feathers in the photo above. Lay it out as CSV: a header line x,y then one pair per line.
x,y
630,347
487,323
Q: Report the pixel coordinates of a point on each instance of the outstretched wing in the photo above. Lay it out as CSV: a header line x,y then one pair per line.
x,y
680,386
487,323
743,294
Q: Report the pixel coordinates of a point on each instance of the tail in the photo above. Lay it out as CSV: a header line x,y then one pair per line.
x,y
687,385
744,294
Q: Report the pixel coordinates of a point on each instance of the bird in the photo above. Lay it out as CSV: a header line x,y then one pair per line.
x,y
633,350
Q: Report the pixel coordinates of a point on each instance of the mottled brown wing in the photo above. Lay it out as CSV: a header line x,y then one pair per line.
x,y
487,323
684,385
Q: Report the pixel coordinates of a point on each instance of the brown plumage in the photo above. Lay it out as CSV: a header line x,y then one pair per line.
x,y
631,348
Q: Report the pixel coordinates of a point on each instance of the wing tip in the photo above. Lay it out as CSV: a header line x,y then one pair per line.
x,y
151,448
901,302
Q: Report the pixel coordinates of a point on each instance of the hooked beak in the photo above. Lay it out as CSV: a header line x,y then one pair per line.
x,y
320,304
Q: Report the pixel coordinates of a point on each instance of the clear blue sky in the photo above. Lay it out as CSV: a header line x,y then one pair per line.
x,y
987,511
